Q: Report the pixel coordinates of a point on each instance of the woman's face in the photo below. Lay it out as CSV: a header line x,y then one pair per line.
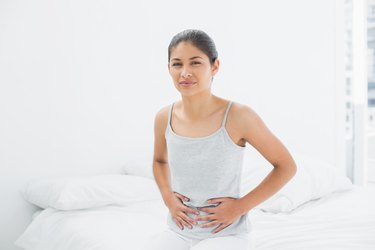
x,y
190,69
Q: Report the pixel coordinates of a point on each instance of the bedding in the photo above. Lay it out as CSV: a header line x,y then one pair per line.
x,y
81,192
314,179
344,219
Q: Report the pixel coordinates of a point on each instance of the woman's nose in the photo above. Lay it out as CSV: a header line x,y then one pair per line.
x,y
185,74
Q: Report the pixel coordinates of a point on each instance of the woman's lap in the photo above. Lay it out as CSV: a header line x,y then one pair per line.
x,y
222,243
168,239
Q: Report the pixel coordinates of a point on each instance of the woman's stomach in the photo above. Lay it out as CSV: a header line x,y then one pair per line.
x,y
240,226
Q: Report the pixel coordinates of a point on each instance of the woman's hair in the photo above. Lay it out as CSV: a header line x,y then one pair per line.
x,y
199,39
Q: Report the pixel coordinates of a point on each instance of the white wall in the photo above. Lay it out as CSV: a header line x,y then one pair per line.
x,y
81,81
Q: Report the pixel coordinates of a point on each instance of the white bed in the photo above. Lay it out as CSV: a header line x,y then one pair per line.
x,y
342,220
106,212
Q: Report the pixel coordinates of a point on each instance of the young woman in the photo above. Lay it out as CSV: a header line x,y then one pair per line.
x,y
198,151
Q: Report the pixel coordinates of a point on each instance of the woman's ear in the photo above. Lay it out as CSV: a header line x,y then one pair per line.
x,y
215,67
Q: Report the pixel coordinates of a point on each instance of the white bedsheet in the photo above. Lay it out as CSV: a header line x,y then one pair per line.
x,y
344,220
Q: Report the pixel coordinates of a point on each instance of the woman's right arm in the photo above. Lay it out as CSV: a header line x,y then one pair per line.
x,y
161,173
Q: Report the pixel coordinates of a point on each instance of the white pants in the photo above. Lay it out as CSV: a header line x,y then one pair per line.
x,y
168,239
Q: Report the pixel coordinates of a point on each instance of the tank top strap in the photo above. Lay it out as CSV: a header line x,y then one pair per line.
x,y
170,114
226,114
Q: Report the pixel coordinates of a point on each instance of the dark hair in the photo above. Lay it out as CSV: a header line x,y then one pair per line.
x,y
199,39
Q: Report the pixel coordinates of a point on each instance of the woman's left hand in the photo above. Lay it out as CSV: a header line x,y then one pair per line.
x,y
224,214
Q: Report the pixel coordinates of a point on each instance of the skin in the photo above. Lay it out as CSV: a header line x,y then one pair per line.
x,y
199,113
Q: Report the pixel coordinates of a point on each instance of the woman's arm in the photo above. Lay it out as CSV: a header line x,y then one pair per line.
x,y
161,173
248,126
160,160
256,133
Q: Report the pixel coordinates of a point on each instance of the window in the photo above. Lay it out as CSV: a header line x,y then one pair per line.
x,y
348,36
371,88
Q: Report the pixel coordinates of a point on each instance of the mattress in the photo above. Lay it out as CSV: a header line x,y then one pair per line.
x,y
341,220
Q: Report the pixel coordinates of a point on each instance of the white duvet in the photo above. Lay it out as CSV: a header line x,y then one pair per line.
x,y
342,220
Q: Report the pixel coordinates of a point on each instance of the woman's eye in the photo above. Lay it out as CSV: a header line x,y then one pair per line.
x,y
179,64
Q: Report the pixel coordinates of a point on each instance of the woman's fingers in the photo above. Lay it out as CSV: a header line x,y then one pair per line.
x,y
183,222
181,196
190,210
181,217
205,217
178,223
219,228
210,224
187,218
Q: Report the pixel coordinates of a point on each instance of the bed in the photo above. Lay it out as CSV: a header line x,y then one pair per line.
x,y
318,209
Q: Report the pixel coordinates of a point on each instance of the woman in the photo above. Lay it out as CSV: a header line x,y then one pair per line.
x,y
198,152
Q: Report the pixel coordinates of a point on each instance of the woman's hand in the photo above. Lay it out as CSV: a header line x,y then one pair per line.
x,y
178,211
224,214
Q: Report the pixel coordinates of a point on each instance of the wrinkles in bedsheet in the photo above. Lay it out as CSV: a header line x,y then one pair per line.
x,y
339,221
103,228
344,220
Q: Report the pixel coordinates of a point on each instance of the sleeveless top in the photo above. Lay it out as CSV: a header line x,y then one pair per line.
x,y
202,168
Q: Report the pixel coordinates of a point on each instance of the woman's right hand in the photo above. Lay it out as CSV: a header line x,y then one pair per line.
x,y
178,210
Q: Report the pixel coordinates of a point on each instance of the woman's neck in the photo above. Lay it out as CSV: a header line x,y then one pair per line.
x,y
198,107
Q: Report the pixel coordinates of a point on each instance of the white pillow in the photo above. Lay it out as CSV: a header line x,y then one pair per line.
x,y
314,179
139,166
90,191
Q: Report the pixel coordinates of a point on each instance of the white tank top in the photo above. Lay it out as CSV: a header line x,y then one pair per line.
x,y
203,168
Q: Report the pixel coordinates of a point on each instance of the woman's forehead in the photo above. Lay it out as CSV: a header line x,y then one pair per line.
x,y
186,50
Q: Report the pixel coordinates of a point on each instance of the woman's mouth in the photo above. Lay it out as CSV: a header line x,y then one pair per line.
x,y
186,83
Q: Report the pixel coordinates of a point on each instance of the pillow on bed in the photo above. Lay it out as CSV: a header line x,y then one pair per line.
x,y
90,191
139,166
314,179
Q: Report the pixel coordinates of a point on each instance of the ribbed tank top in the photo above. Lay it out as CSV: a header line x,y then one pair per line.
x,y
202,168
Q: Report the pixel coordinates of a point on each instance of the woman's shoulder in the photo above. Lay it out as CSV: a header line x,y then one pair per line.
x,y
240,109
161,116
242,115
162,113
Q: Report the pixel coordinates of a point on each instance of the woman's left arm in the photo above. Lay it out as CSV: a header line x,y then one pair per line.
x,y
256,133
